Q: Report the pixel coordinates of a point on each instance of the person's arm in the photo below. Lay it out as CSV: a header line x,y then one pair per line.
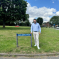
x,y
39,29
31,29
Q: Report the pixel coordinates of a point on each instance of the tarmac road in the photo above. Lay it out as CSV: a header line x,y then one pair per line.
x,y
41,57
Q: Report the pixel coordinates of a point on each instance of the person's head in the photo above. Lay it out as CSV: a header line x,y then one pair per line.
x,y
34,20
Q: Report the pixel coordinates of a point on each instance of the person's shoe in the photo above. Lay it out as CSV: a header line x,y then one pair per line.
x,y
34,45
38,47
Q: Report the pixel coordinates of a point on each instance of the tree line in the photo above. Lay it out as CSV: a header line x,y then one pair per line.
x,y
13,12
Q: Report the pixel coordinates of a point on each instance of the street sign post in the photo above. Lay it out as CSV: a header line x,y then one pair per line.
x,y
23,35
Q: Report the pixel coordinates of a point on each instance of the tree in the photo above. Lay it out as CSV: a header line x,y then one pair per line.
x,y
40,20
54,20
27,20
27,23
23,23
12,10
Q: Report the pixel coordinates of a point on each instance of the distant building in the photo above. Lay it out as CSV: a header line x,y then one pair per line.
x,y
46,24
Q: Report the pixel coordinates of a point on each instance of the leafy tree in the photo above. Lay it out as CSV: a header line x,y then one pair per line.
x,y
40,20
23,23
27,20
12,10
27,23
54,20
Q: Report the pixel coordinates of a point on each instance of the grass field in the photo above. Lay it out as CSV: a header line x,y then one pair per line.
x,y
49,40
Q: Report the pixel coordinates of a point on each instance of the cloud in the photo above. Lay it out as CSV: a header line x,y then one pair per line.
x,y
53,2
44,12
57,13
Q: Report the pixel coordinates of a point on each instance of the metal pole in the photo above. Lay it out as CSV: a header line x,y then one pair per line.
x,y
17,40
31,40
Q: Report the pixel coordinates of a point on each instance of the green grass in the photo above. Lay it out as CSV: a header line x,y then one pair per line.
x,y
49,40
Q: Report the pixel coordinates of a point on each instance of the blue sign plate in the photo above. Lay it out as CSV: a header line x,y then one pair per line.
x,y
23,34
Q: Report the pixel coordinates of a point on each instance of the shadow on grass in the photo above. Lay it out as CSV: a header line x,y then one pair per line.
x,y
15,28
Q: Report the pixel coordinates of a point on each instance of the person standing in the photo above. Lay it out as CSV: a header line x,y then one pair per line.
x,y
36,30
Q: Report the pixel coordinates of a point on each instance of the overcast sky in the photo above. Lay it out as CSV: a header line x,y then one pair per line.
x,y
42,8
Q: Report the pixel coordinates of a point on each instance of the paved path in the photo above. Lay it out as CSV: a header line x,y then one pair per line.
x,y
41,57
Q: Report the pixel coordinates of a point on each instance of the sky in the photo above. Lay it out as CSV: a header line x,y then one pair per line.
x,y
42,8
